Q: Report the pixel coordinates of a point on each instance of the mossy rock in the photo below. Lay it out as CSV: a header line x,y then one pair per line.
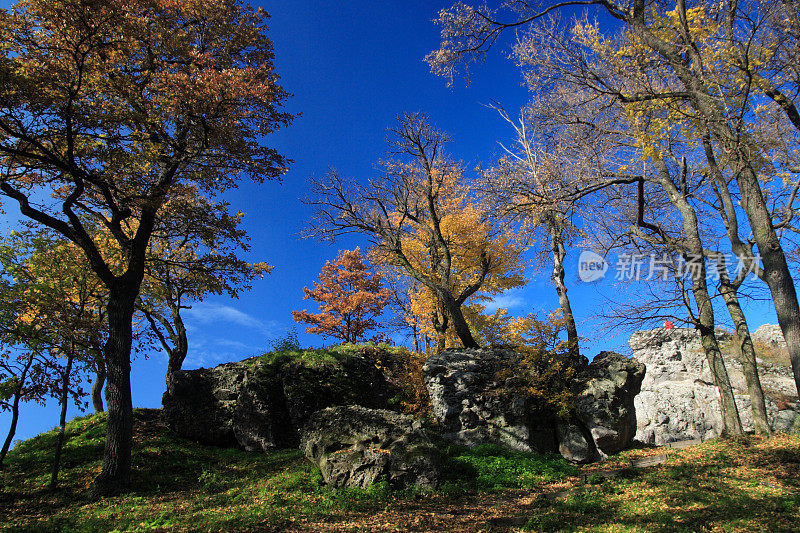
x,y
261,403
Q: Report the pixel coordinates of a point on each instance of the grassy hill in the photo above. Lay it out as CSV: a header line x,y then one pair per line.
x,y
747,484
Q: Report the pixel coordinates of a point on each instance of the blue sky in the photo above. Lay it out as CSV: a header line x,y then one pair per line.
x,y
352,67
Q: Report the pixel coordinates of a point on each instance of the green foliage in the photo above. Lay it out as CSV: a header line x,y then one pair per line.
x,y
595,479
492,467
288,343
7,388
211,481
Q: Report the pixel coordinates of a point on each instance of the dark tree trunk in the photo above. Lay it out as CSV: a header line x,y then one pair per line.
x,y
97,386
116,470
11,431
459,322
177,353
776,268
748,354
441,321
559,253
62,423
732,424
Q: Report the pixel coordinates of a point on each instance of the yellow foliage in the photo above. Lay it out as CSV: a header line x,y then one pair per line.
x,y
469,235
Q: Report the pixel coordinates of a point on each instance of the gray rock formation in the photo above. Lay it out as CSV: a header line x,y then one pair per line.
x,y
200,404
356,447
678,399
604,400
769,334
473,402
575,443
259,404
476,400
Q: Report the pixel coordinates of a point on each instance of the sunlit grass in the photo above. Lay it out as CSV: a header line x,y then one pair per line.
x,y
747,484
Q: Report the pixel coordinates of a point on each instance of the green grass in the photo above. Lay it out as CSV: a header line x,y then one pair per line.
x,y
315,358
746,484
181,485
491,467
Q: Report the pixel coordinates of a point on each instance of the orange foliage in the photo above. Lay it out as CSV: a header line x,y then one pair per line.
x,y
350,299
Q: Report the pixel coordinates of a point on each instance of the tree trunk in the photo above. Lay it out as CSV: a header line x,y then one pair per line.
x,y
177,354
459,322
97,386
559,253
62,423
12,430
732,424
748,360
776,269
119,434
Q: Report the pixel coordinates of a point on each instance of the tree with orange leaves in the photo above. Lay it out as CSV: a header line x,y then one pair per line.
x,y
108,110
350,299
422,221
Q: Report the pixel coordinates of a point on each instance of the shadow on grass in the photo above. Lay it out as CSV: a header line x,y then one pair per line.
x,y
693,494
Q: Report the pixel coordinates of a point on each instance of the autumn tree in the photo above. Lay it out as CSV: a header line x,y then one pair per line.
x,y
21,369
191,255
406,213
350,298
467,228
716,65
108,109
529,184
59,320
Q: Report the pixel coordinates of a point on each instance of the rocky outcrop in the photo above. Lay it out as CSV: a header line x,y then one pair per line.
x,y
356,447
679,401
474,401
262,403
769,334
604,400
477,399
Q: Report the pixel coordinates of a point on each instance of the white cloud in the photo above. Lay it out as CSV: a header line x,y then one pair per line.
x,y
506,300
219,333
206,314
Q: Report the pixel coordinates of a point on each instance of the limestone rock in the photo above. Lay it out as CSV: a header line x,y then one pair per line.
x,y
476,400
261,404
679,400
575,444
604,401
473,402
200,404
355,447
769,334
786,421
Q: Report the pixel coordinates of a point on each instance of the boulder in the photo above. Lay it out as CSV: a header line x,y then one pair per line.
x,y
474,403
678,398
604,400
200,404
786,421
262,403
575,443
355,447
477,400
